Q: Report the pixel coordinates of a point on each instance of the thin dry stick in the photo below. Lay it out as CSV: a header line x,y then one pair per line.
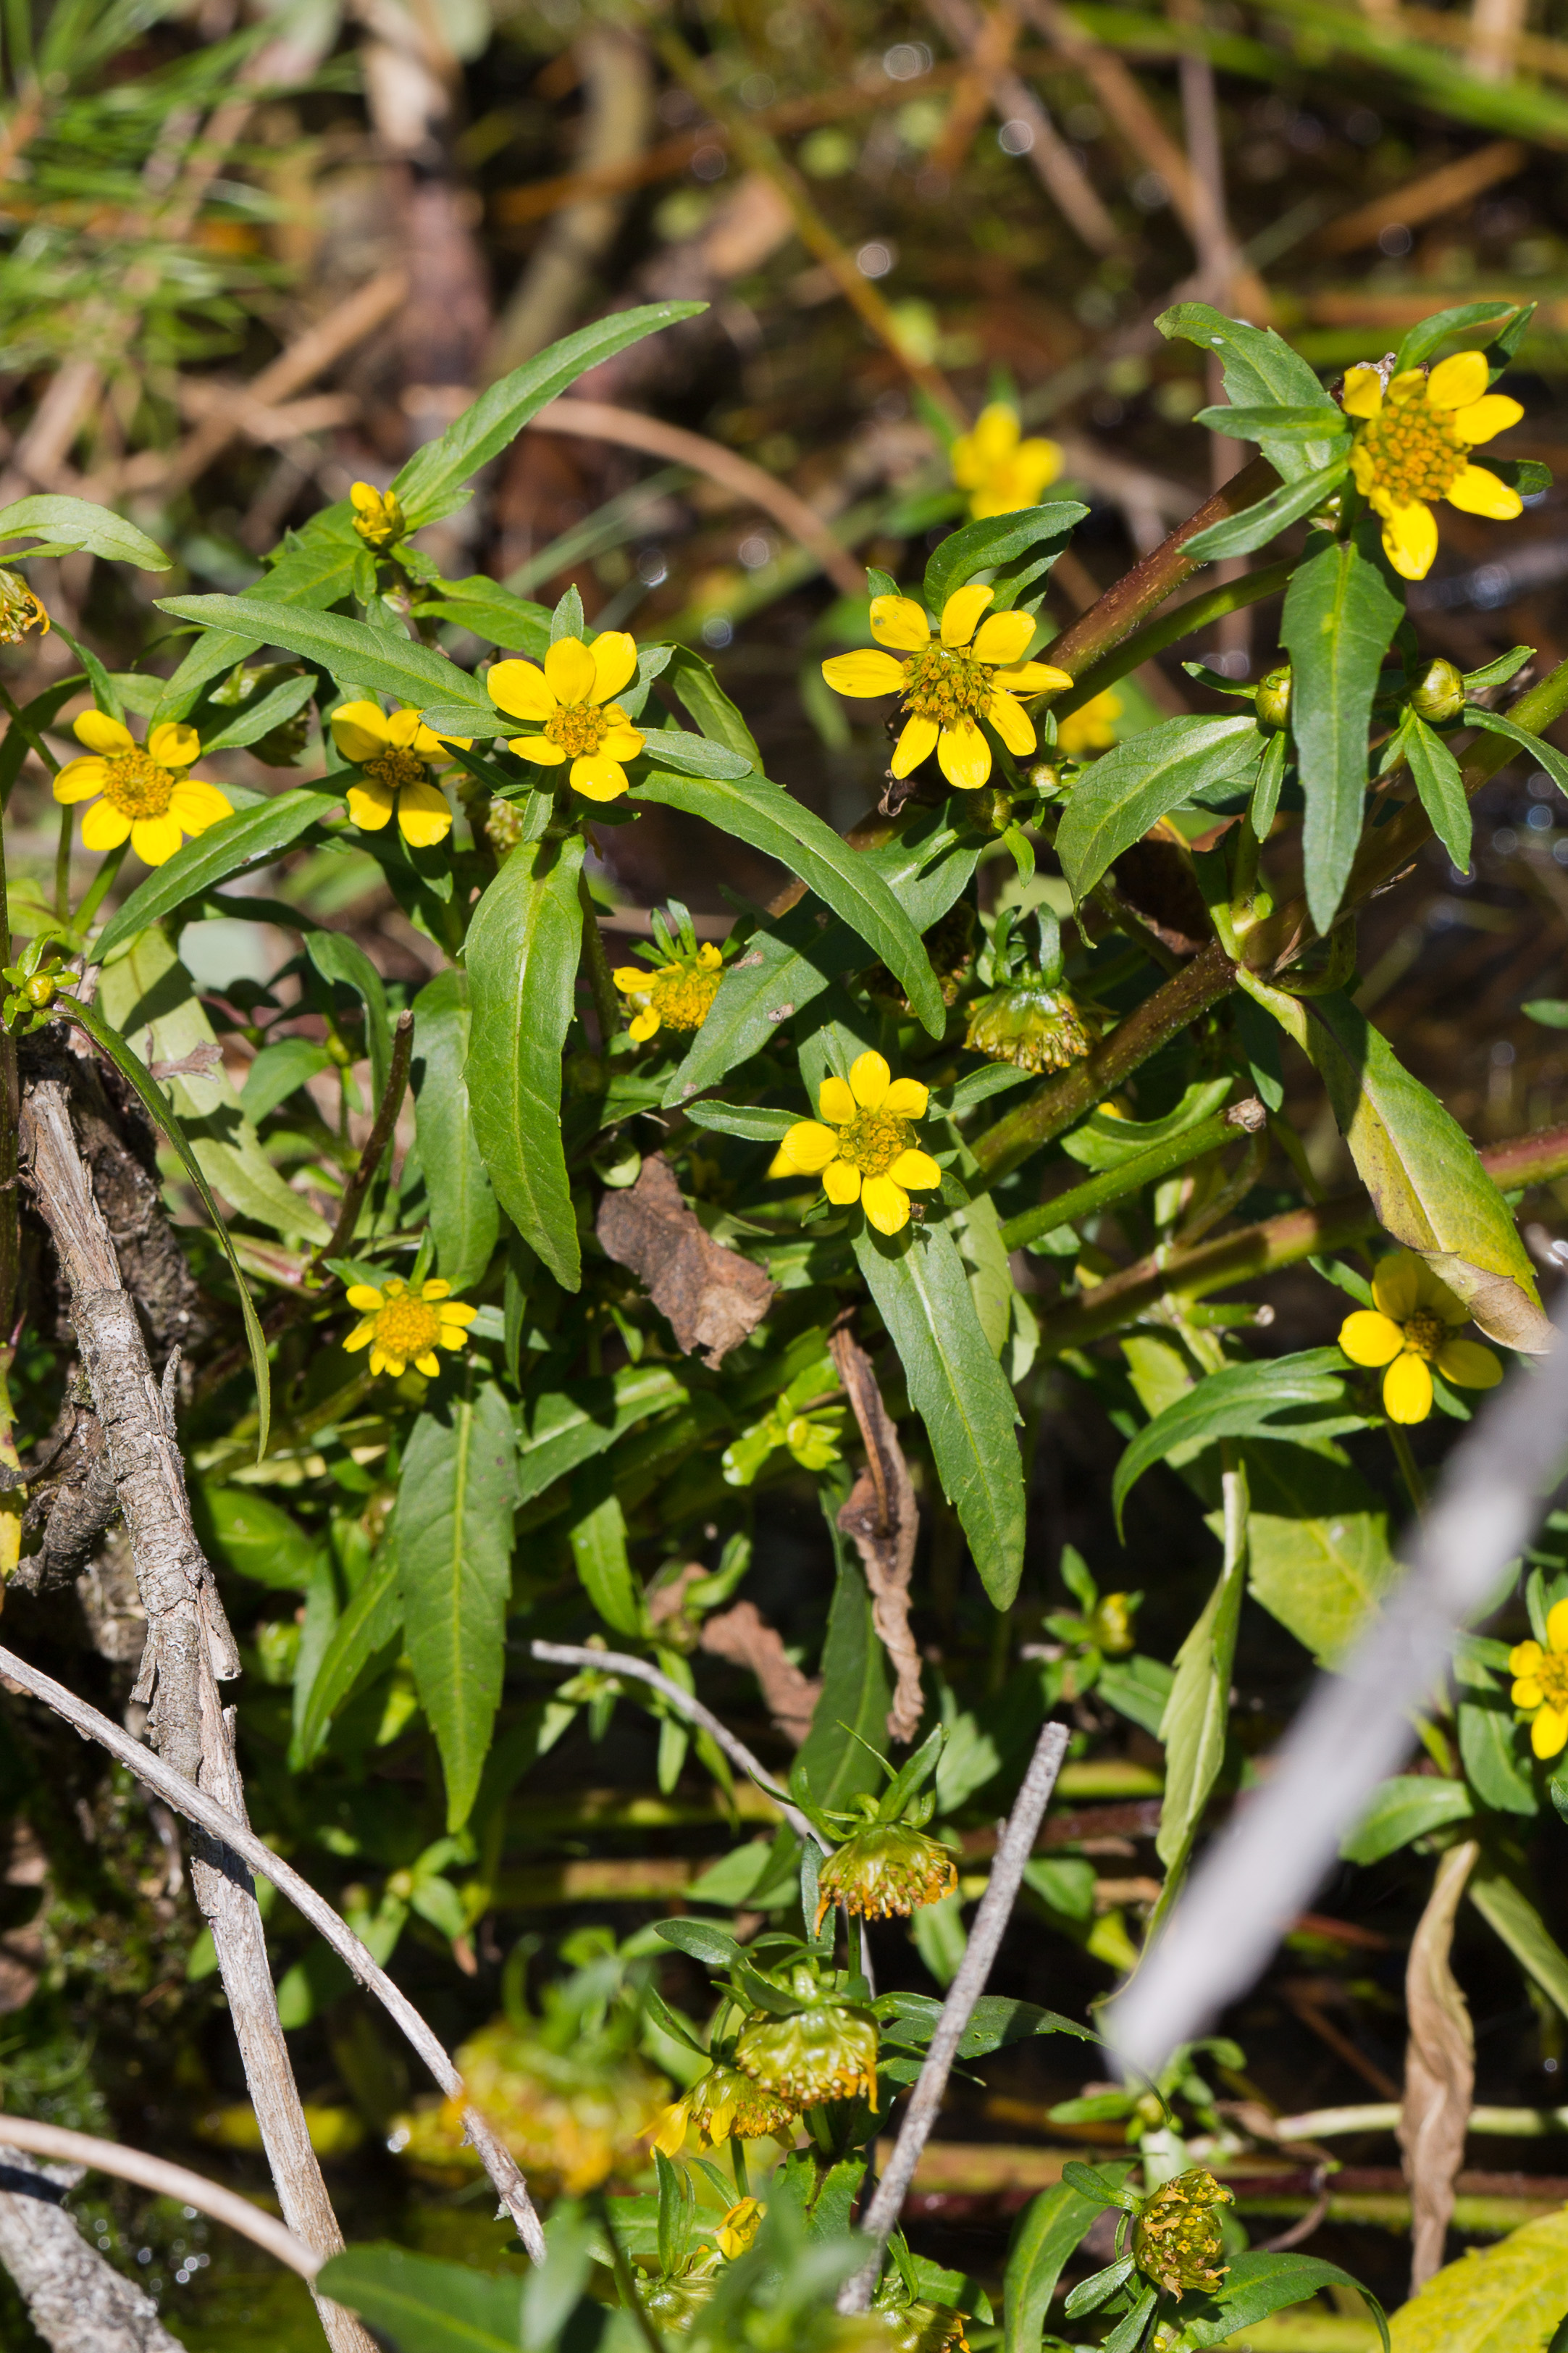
x,y
197,1807
1355,1729
597,420
166,2180
1013,1851
619,1663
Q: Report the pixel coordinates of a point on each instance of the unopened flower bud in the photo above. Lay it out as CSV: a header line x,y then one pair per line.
x,y
1046,778
1030,1026
887,1867
1111,1624
1272,701
827,2052
379,517
338,1050
19,609
1439,694
1178,2239
40,989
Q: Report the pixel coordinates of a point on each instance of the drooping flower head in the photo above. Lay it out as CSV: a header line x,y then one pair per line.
x,y
1410,1329
19,609
1001,471
679,993
140,795
1091,728
1029,1017
1541,1685
1414,446
722,2105
379,517
739,2227
400,1326
971,670
399,757
1178,2239
863,1146
825,2052
569,700
886,1868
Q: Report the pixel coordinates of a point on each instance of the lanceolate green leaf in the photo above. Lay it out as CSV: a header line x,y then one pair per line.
x,y
1409,1807
1048,2230
369,1622
68,523
1238,534
568,1427
1341,614
251,837
1261,371
425,2307
523,951
337,957
766,817
1318,1554
1197,1712
154,1104
1119,795
699,692
431,483
598,1540
1497,723
1508,1910
1423,341
415,674
464,1217
1279,424
1240,1401
853,1708
958,1389
1442,790
316,571
454,1539
259,717
1258,2283
994,541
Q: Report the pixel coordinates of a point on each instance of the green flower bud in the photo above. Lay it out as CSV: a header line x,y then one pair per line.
x,y
1438,693
1046,778
1030,1026
888,1867
674,2303
1110,1625
827,2052
1177,2239
503,826
40,989
1272,701
990,809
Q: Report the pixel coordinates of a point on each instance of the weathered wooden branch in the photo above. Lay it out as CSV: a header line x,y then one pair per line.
x,y
77,2302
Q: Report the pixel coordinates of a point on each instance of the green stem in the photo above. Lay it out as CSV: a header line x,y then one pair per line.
x,y
1196,614
1115,1185
29,733
99,887
607,1004
63,863
1415,1485
738,2161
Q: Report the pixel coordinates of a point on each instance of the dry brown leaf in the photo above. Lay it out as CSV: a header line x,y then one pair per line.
x,y
884,1521
744,1637
713,1297
1439,2068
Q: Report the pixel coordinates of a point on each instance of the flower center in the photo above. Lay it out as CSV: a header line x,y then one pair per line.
x,y
873,1140
682,997
578,727
1551,1674
408,1328
137,786
946,686
1415,450
395,768
1424,1335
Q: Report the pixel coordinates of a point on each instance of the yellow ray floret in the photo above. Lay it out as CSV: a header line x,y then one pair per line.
x,y
398,753
1541,1683
971,670
863,1146
570,701
1408,1330
675,996
1413,444
1001,471
400,1326
139,794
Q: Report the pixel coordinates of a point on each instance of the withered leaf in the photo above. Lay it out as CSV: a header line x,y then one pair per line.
x,y
713,1297
882,1519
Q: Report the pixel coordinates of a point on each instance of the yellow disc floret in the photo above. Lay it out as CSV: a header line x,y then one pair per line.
x,y
675,996
1541,1685
863,1146
1409,1329
400,1326
1412,444
139,793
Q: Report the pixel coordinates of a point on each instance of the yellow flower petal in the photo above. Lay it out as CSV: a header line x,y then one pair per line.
x,y
452,1336
361,1336
961,611
621,742
401,727
1003,637
1478,493
633,979
963,755
522,689
1368,1338
1362,391
708,956
869,1079
359,730
808,1146
864,674
1557,1626
1407,1390
1526,1658
378,1362
104,826
458,1312
429,1364
615,660
435,1286
365,1297
917,743
1485,418
599,778
569,671
900,621
645,1026
991,444
370,804
173,745
1034,678
907,1099
835,1101
395,1366
100,732
79,779
1012,722
915,1170
537,748
670,2135
1458,382
1396,1284
197,804
1549,1732
1467,1365
886,1204
1410,540
841,1182
1528,1692
154,839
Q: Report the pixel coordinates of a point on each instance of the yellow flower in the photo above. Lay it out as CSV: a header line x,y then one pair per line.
x,y
867,1152
570,699
1409,1331
678,994
19,609
1540,1690
400,1324
143,795
949,685
739,2227
396,755
1090,729
721,2103
1001,472
1415,445
378,515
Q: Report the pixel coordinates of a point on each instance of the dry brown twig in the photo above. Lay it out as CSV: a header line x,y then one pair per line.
x,y
883,1520
76,2301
